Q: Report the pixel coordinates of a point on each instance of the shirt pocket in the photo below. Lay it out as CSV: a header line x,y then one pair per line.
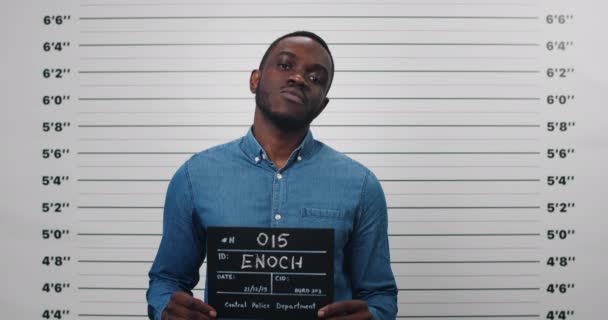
x,y
328,219
316,213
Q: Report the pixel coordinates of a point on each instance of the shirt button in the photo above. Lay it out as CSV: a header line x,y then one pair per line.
x,y
279,176
277,217
257,159
299,158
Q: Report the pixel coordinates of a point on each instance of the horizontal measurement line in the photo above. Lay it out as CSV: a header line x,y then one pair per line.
x,y
116,274
381,180
463,248
119,207
115,261
438,193
118,220
394,262
201,31
111,275
379,166
472,152
110,288
120,234
441,166
392,248
318,125
334,98
154,193
124,180
112,315
465,261
324,139
112,301
390,235
103,152
399,317
337,71
311,17
470,316
341,85
464,289
459,180
471,302
118,248
296,3
392,57
120,288
407,221
464,234
345,152
390,207
476,44
468,207
464,275
327,112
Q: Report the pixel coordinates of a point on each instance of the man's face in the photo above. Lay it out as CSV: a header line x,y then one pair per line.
x,y
291,87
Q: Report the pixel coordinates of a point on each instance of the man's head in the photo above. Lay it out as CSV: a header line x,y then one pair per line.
x,y
293,79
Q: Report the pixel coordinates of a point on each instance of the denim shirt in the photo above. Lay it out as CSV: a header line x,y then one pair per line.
x,y
236,184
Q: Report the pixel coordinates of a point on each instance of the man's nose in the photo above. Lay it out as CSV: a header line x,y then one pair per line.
x,y
296,78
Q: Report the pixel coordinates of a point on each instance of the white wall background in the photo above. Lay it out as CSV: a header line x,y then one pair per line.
x,y
446,101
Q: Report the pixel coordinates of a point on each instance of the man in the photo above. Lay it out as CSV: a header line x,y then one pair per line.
x,y
277,175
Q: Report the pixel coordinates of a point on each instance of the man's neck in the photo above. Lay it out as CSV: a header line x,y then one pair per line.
x,y
277,143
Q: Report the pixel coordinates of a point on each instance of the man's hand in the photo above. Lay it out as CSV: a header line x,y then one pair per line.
x,y
346,310
183,306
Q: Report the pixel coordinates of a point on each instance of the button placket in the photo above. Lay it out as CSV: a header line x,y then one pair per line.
x,y
277,218
276,191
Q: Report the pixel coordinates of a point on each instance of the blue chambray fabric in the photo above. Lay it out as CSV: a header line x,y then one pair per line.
x,y
235,184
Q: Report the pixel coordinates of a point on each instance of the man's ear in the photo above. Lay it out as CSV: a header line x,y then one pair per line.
x,y
325,102
254,79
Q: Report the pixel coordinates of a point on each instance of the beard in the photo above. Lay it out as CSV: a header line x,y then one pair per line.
x,y
285,122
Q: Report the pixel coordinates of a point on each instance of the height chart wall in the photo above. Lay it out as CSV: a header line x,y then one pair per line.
x,y
483,120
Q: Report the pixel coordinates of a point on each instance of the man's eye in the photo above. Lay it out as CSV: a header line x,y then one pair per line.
x,y
315,79
284,66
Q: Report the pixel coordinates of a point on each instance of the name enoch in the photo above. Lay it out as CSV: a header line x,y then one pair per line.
x,y
263,261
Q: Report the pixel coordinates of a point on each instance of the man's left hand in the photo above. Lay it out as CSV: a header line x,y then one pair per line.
x,y
346,310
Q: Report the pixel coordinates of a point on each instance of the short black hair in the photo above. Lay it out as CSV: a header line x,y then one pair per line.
x,y
306,34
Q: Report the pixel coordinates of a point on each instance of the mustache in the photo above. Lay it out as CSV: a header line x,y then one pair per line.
x,y
295,91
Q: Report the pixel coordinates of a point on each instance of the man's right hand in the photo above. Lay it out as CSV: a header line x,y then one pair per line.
x,y
183,306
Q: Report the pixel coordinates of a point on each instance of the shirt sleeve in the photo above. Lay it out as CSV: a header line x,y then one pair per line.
x,y
182,248
371,274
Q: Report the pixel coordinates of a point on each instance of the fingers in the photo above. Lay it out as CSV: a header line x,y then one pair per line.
x,y
342,307
183,306
178,312
345,310
204,308
181,298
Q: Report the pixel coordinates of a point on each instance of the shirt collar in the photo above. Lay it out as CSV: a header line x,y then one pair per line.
x,y
253,149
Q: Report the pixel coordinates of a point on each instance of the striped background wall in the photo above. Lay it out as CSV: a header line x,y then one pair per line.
x,y
482,119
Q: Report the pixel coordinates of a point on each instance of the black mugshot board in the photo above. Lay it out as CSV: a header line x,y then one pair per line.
x,y
269,273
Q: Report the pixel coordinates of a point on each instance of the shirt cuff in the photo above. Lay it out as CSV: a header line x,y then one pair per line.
x,y
374,312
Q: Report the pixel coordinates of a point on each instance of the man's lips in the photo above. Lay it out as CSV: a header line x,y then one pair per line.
x,y
293,95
